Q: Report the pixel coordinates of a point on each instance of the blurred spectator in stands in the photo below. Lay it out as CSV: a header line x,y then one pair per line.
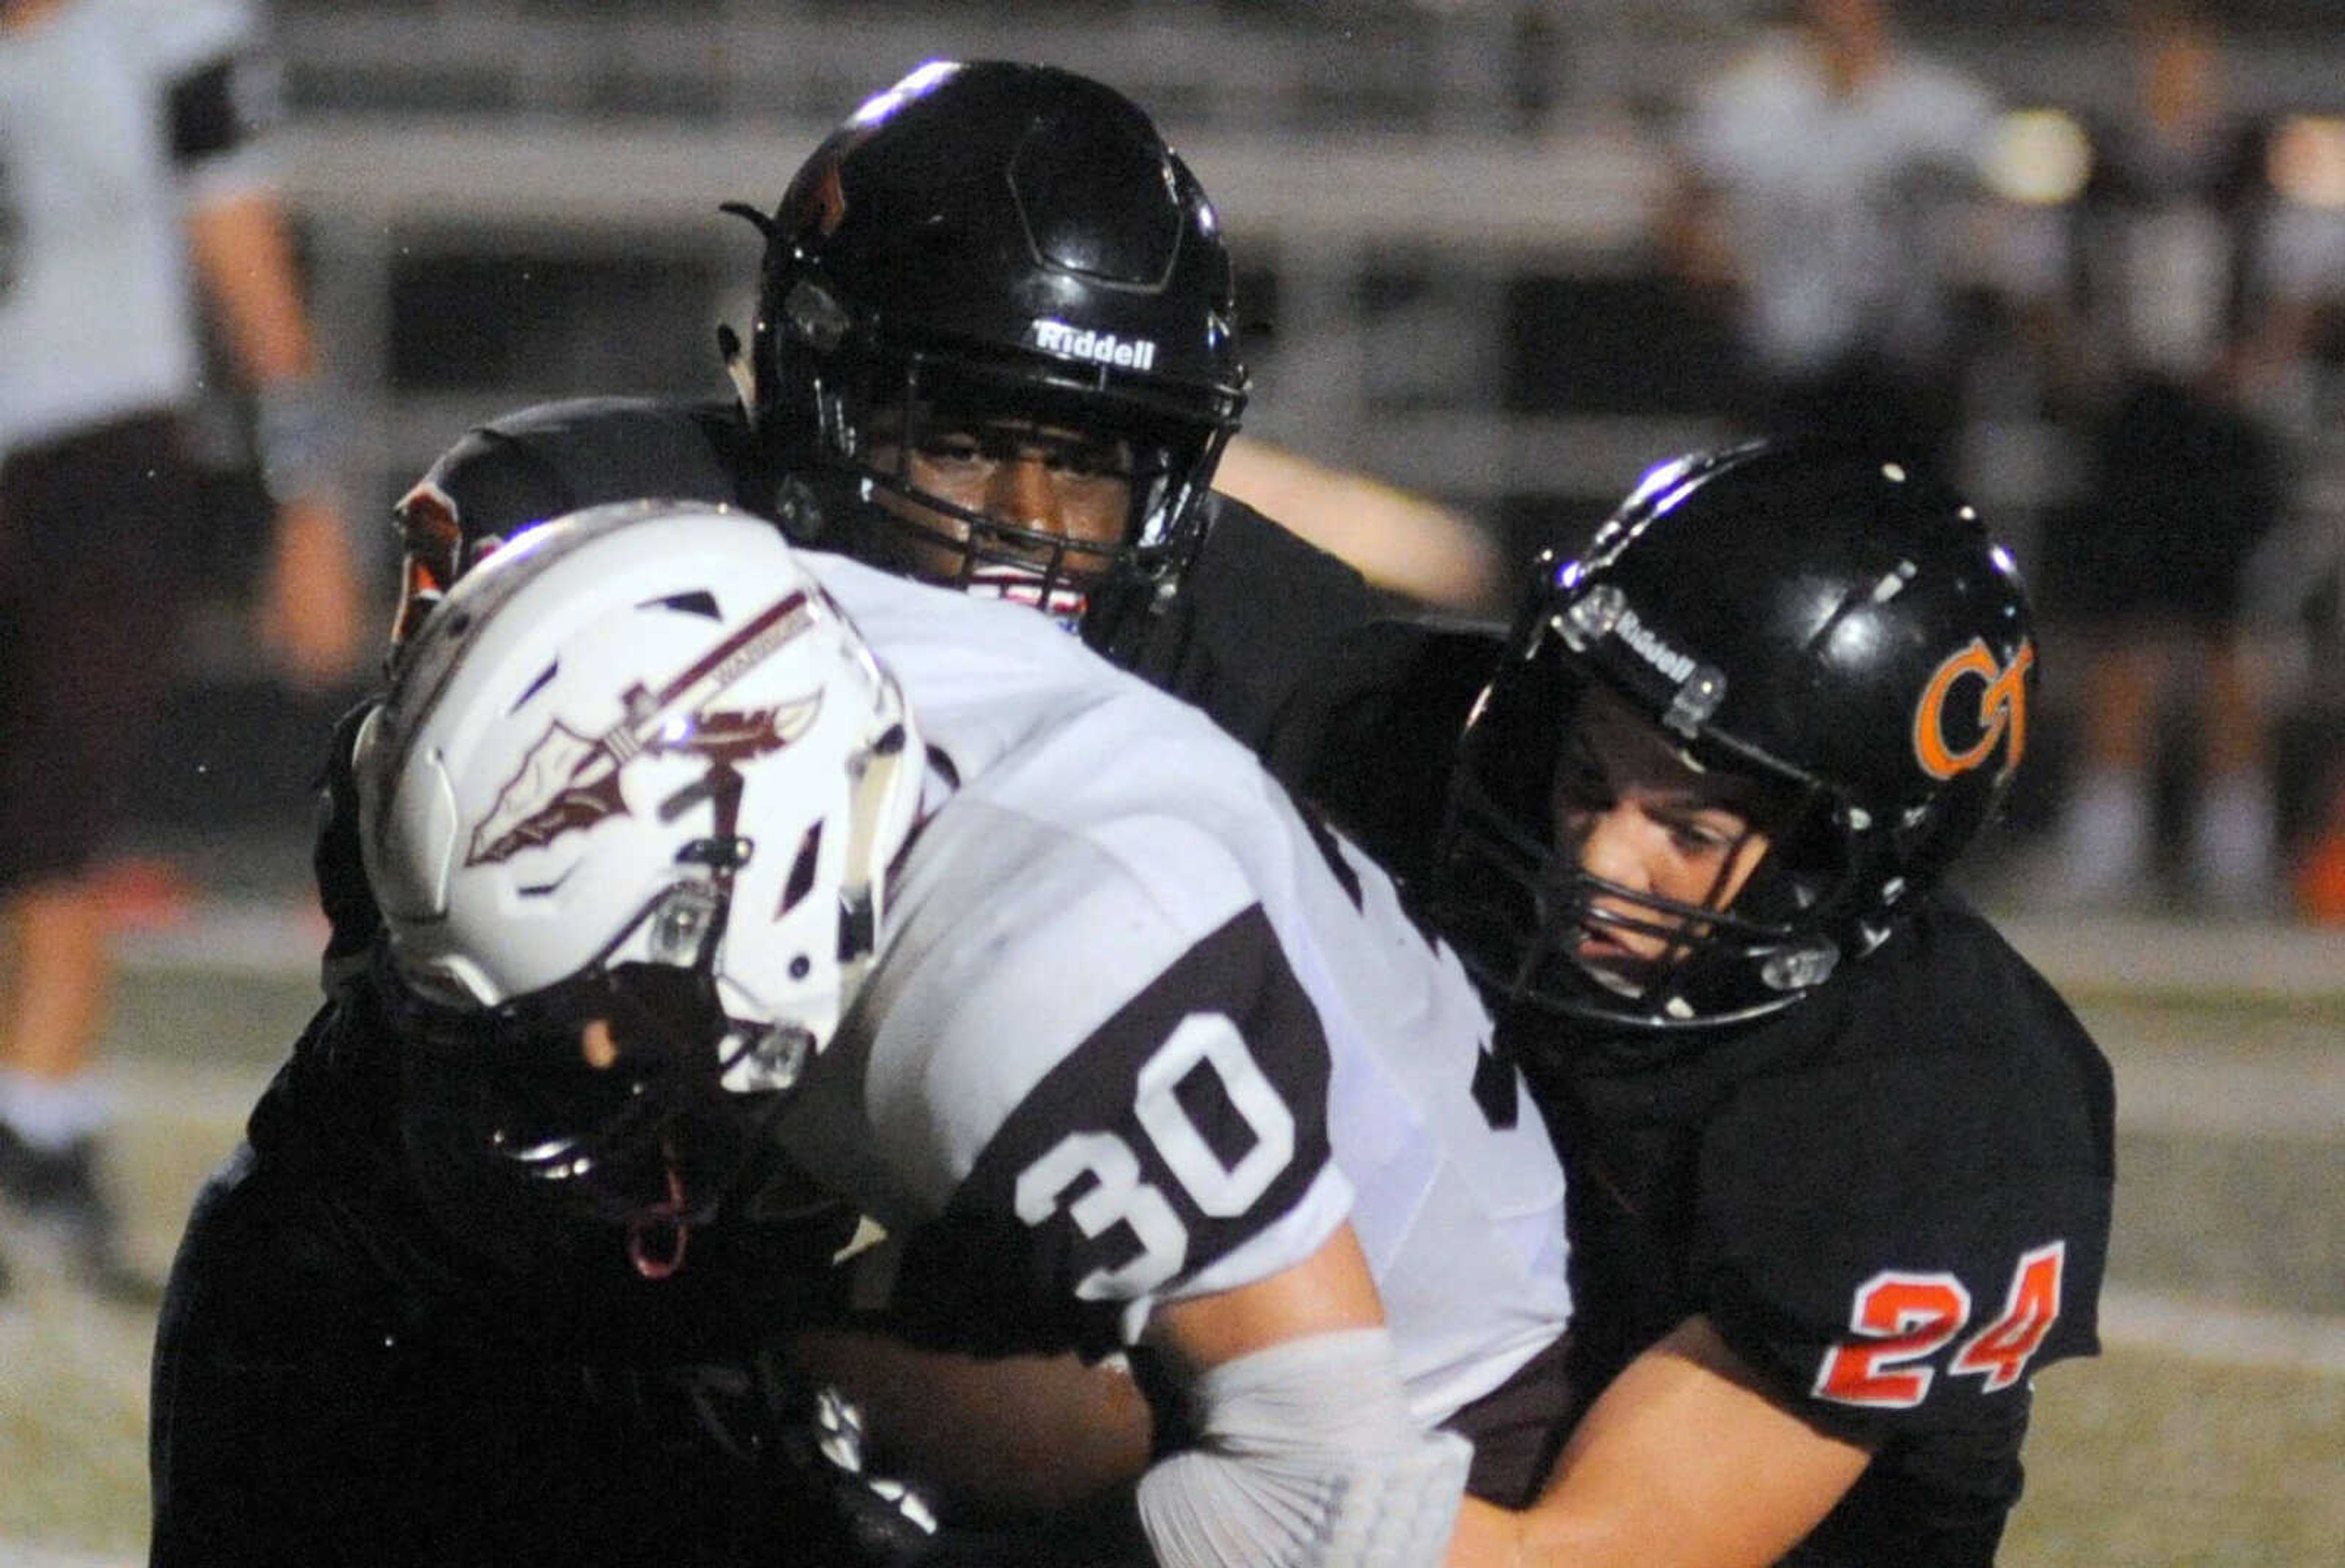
x,y
1823,183
126,168
2176,311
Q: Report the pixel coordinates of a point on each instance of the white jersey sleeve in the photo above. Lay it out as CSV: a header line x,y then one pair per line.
x,y
1143,1028
1087,1095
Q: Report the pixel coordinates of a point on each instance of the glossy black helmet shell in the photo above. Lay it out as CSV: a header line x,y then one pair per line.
x,y
1805,614
1018,232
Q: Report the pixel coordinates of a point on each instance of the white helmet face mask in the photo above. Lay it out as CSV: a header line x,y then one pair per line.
x,y
635,766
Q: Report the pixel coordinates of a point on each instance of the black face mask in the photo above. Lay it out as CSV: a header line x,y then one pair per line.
x,y
897,405
1509,892
513,1131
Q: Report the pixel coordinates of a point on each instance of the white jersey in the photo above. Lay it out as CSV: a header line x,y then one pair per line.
x,y
1139,1030
1837,199
114,114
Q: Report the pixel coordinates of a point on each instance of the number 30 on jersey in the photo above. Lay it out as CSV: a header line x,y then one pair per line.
x,y
1113,1185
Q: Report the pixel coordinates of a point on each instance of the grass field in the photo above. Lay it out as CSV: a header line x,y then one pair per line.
x,y
2212,1432
2145,1457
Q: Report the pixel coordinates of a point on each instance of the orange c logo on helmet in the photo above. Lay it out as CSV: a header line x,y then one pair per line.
x,y
2002,706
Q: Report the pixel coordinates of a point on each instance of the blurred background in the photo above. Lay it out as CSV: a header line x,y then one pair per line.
x,y
1503,255
1474,265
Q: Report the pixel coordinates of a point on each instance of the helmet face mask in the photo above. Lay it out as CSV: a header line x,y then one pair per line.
x,y
984,486
595,1098
611,984
1721,860
1826,649
982,242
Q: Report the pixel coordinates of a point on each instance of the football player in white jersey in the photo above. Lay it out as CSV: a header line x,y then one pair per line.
x,y
692,913
129,172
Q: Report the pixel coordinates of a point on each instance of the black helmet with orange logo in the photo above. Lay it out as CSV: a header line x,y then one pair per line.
x,y
1803,616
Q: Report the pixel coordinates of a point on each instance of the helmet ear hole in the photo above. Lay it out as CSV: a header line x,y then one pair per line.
x,y
815,318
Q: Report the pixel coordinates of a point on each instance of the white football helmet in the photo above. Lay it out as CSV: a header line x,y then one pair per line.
x,y
638,768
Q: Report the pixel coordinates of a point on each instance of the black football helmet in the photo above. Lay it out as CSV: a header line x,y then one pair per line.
x,y
981,238
1805,617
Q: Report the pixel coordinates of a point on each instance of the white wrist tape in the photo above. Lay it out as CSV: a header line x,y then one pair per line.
x,y
1306,1455
293,429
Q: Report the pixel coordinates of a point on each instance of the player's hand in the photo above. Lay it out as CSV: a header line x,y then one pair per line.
x,y
889,1523
310,616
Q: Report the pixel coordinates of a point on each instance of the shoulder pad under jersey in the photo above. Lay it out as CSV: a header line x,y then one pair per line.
x,y
1901,1229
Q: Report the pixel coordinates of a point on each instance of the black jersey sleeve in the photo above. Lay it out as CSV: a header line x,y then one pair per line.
x,y
1369,735
348,904
540,462
1258,611
1898,1234
222,94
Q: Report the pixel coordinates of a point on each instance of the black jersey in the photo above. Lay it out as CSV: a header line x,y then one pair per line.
x,y
1891,1201
1261,618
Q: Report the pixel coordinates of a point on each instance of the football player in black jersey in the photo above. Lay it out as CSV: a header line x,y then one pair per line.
x,y
318,1322
1840,1160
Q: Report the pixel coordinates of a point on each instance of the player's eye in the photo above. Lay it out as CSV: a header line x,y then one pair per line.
x,y
1704,834
1090,461
954,450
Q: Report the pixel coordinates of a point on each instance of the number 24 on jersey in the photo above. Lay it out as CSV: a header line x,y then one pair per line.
x,y
1903,1319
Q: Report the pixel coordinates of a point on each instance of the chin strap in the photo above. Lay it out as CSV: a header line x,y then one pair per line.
x,y
657,1235
862,890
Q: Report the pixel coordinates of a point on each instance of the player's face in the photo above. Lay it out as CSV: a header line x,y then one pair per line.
x,y
1065,484
1633,809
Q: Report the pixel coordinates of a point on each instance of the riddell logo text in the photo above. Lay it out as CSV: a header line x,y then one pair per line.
x,y
1102,348
1677,666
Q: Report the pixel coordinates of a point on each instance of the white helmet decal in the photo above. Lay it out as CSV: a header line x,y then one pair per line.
x,y
568,782
644,702
1100,347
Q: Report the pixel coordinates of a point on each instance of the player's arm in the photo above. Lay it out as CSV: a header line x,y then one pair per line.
x,y
1172,1178
1030,1435
1329,1292
1306,1449
1400,541
1687,1460
994,1438
243,258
